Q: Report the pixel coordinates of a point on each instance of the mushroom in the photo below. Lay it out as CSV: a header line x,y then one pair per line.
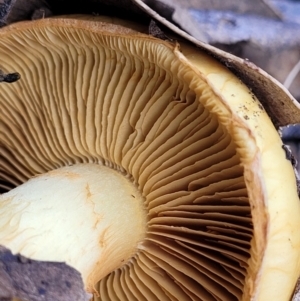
x,y
144,164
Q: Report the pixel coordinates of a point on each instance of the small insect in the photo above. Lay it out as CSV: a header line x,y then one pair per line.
x,y
9,77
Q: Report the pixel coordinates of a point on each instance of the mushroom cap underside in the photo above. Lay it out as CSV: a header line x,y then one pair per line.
x,y
223,219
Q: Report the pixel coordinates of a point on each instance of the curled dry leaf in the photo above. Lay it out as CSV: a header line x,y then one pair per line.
x,y
276,99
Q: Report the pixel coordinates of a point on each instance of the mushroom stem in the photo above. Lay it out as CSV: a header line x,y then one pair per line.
x,y
90,204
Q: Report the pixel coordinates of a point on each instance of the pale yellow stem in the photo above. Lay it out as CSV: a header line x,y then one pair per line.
x,y
87,215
